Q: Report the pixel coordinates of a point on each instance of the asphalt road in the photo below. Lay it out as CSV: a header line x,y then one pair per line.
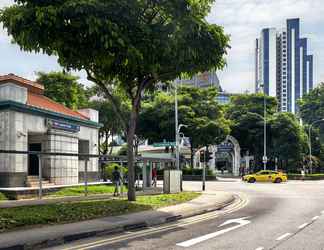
x,y
267,216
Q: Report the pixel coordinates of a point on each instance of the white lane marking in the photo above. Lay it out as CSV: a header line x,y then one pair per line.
x,y
283,236
260,248
315,217
241,221
303,225
322,212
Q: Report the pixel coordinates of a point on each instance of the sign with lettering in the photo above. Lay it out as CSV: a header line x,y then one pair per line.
x,y
54,124
164,144
225,147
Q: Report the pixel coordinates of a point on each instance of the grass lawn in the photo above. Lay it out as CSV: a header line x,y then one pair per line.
x,y
2,197
11,218
77,191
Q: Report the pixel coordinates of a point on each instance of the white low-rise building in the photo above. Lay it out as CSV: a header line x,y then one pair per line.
x,y
29,121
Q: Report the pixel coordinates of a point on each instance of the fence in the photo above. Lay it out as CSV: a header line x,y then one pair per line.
x,y
39,154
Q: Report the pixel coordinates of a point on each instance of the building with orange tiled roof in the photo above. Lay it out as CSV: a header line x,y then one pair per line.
x,y
29,121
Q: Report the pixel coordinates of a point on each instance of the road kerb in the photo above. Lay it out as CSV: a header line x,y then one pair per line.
x,y
50,242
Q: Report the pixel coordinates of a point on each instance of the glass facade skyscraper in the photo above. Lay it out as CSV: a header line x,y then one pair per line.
x,y
284,69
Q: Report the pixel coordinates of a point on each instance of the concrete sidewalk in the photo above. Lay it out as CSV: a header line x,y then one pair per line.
x,y
47,236
54,200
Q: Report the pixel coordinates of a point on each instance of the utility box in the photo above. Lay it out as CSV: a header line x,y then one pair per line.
x,y
172,181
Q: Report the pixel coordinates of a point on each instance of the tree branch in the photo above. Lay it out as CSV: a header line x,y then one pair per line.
x,y
110,97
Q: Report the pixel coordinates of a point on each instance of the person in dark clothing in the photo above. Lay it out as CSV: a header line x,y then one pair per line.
x,y
116,178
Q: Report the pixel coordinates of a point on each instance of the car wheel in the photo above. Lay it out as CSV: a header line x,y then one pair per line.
x,y
252,180
278,180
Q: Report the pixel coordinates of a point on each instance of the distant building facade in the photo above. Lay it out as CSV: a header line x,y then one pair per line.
x,y
283,66
202,80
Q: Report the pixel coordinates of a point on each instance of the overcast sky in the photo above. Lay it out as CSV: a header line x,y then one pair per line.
x,y
241,19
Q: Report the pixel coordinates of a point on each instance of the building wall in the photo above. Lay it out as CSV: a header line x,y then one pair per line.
x,y
283,65
18,129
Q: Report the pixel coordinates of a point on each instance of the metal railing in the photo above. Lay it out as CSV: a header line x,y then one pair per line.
x,y
39,154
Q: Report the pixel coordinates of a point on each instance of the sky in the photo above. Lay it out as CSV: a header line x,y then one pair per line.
x,y
241,19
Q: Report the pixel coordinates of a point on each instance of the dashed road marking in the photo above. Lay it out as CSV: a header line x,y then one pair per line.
x,y
315,217
283,236
322,212
303,225
259,248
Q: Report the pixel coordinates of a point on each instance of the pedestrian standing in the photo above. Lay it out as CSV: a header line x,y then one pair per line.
x,y
116,180
154,176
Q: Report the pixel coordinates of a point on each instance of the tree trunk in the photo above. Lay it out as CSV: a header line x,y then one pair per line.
x,y
130,154
106,143
112,143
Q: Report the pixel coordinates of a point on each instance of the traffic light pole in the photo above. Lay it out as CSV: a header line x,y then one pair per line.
x,y
204,169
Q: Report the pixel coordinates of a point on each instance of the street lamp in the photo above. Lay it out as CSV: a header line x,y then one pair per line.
x,y
177,125
264,158
310,143
177,145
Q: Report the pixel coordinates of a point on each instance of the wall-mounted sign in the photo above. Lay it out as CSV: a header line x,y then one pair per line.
x,y
164,144
54,124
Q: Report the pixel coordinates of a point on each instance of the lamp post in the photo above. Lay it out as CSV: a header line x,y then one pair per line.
x,y
310,143
264,158
177,125
178,145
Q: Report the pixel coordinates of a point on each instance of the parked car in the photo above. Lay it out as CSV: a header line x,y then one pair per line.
x,y
266,176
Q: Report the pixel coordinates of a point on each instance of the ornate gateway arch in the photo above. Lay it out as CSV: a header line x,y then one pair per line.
x,y
229,146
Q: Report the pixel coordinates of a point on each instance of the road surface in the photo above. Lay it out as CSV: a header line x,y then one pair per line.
x,y
267,216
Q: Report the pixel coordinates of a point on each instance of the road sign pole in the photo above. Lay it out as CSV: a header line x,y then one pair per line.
x,y
204,170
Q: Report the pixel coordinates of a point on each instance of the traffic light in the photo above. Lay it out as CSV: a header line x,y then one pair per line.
x,y
202,156
209,156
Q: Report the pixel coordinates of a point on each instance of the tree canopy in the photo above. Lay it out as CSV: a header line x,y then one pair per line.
x,y
134,44
311,107
64,88
197,108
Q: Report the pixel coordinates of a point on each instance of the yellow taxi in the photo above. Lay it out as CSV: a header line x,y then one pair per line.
x,y
266,176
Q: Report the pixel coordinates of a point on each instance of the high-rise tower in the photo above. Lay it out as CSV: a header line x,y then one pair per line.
x,y
283,66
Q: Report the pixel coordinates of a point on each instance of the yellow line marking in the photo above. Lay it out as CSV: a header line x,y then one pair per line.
x,y
181,223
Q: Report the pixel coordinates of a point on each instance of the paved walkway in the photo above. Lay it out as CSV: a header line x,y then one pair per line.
x,y
51,200
58,234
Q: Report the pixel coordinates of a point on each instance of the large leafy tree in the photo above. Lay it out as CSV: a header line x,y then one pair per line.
x,y
198,109
311,106
288,141
246,111
64,88
131,43
311,109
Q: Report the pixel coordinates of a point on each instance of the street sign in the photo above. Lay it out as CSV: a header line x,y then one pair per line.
x,y
264,159
225,147
55,124
164,144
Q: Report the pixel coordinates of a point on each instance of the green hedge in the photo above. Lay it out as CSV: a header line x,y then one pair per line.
x,y
196,171
307,177
2,197
108,169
